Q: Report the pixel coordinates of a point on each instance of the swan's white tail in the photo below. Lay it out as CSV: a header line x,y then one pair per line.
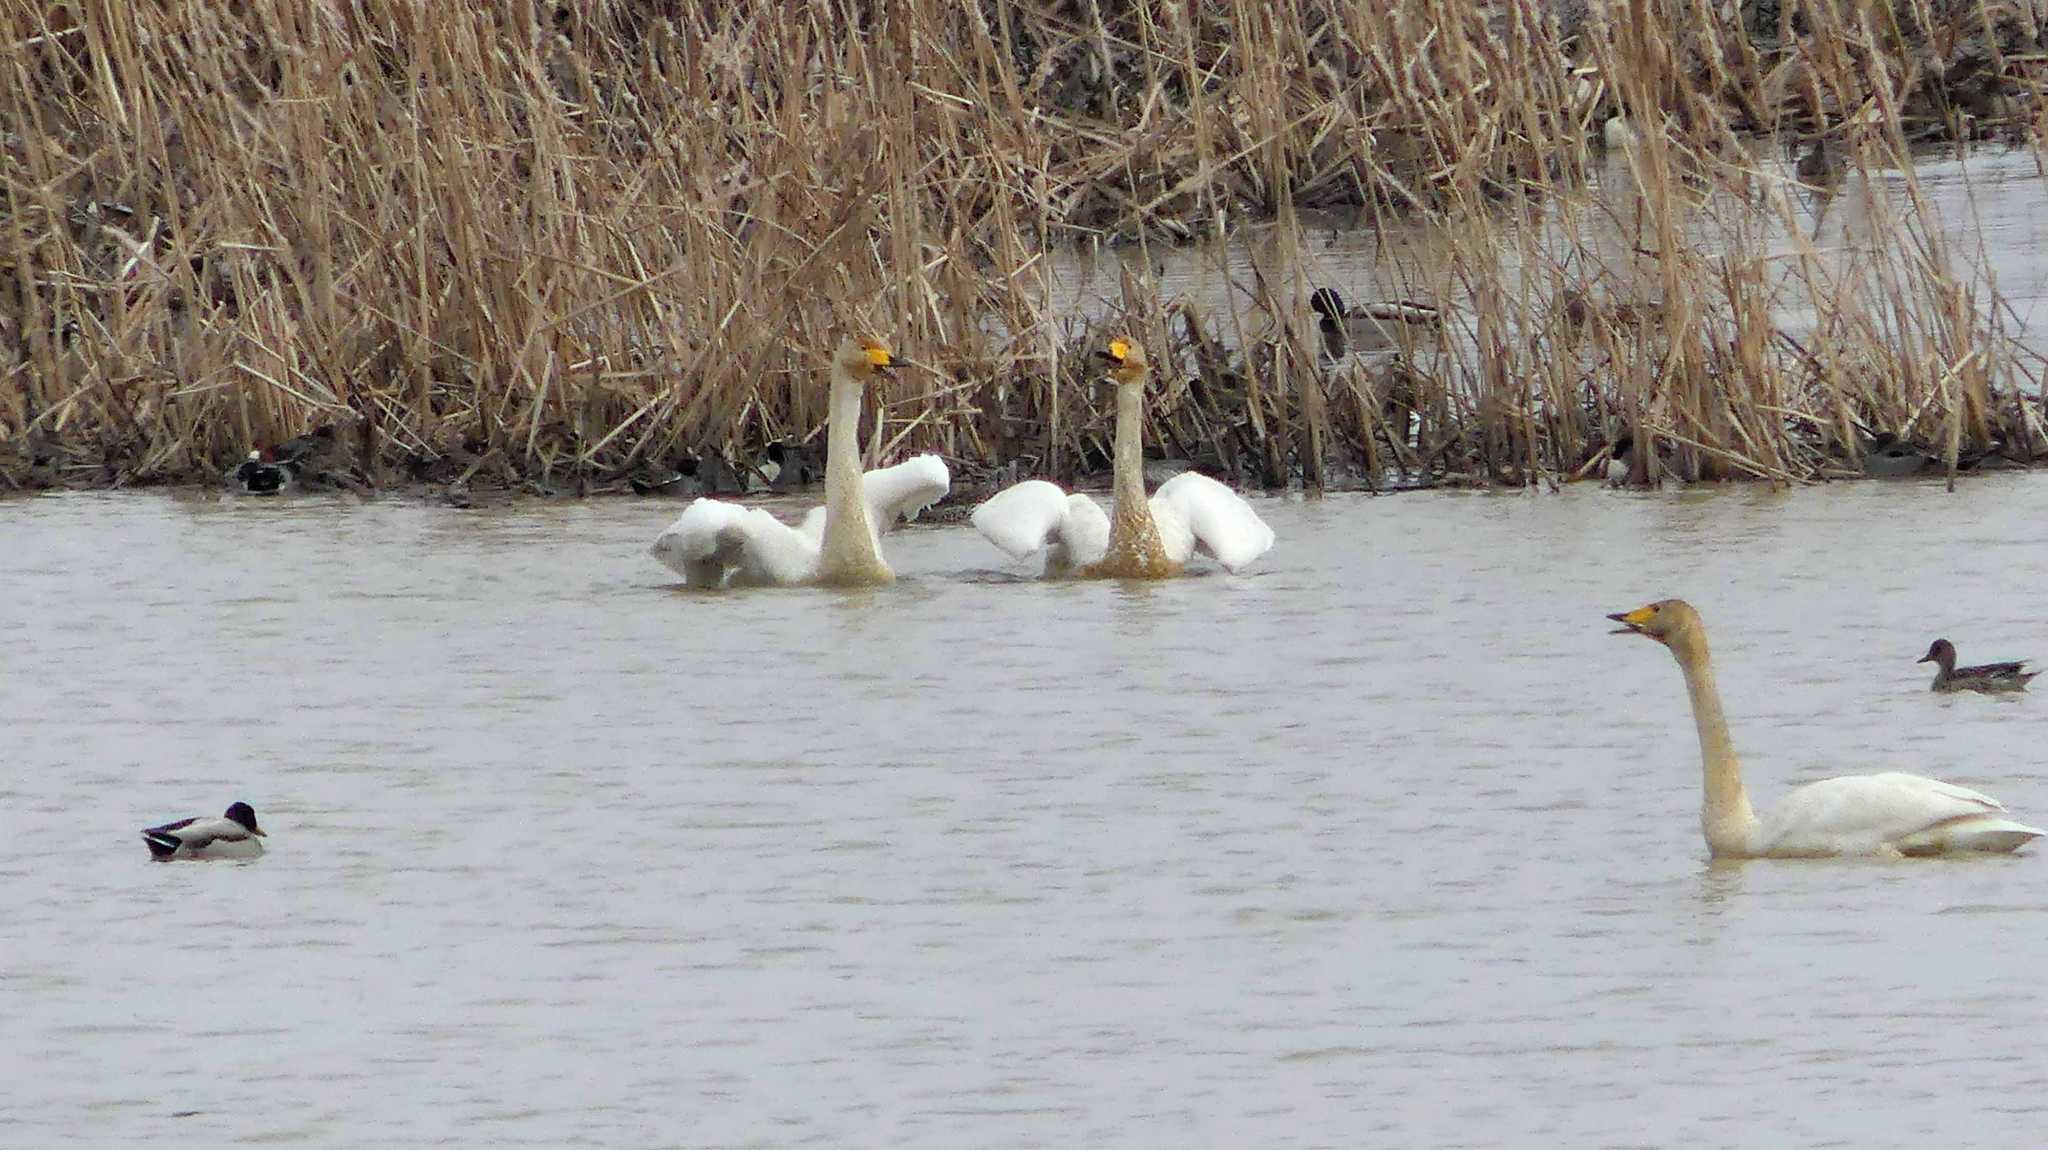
x,y
1989,834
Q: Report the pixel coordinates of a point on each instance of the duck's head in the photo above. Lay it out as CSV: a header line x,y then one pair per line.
x,y
1940,651
865,358
1666,620
1124,358
255,456
245,814
1327,303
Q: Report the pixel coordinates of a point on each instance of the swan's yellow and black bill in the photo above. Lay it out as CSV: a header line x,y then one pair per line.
x,y
878,357
1632,622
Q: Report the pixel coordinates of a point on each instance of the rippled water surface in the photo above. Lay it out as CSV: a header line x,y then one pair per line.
x,y
1388,843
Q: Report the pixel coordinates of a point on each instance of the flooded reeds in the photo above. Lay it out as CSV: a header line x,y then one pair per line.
x,y
574,246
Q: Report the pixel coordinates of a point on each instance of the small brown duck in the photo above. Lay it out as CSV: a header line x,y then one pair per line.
x,y
1990,678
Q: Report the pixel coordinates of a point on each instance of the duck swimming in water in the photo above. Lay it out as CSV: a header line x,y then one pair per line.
x,y
1988,678
260,476
1380,326
234,835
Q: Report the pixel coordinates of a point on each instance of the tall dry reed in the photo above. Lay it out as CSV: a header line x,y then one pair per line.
x,y
568,244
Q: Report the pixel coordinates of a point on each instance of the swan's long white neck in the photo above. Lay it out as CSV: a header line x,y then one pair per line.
x,y
848,554
1135,551
1128,478
1725,815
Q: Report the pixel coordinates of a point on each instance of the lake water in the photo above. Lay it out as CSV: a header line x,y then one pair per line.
x,y
1388,843
1989,208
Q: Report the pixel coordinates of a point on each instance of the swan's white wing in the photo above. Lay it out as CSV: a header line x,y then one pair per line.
x,y
1022,519
712,541
903,490
1083,539
1862,814
1219,521
812,525
1034,516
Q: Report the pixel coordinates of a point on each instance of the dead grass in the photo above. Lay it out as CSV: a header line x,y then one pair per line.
x,y
567,245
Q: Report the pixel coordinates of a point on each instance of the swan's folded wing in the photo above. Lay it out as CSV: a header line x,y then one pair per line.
x,y
713,540
1222,523
904,490
1025,518
1859,813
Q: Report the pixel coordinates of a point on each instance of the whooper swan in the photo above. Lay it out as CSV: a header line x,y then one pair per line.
x,y
713,543
1140,538
1990,678
1886,814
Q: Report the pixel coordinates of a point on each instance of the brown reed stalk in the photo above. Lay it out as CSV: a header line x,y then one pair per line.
x,y
566,244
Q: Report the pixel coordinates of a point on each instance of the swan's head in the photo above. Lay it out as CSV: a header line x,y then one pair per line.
x,y
1941,651
1125,360
864,358
1667,620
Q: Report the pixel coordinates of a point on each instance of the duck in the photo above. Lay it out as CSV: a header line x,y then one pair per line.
x,y
1890,457
1139,538
1378,326
1887,814
1989,678
1620,461
259,475
1820,166
716,544
234,835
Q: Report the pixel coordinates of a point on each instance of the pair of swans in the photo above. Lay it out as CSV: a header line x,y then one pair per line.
x,y
716,544
1883,814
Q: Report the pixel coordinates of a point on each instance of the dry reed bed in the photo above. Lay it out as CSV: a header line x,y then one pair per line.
x,y
565,245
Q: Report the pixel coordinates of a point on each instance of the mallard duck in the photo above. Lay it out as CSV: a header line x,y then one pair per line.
x,y
234,835
1379,326
1621,461
1883,814
1140,538
260,476
1990,678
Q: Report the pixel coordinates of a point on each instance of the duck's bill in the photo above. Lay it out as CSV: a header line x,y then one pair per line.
x,y
257,833
1924,659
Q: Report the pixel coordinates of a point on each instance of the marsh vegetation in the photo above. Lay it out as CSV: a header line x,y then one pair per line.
x,y
572,247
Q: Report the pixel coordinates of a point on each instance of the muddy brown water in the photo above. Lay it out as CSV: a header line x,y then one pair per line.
x,y
1387,843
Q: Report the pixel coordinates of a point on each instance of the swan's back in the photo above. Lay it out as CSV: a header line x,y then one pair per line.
x,y
1868,814
1194,511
